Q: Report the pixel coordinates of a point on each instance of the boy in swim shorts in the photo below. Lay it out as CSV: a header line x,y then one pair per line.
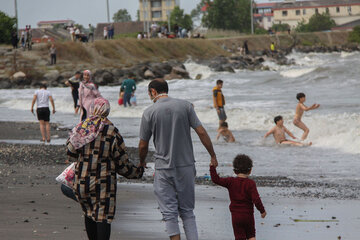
x,y
279,133
300,108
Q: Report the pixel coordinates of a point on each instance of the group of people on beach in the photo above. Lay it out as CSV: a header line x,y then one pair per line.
x,y
98,150
278,131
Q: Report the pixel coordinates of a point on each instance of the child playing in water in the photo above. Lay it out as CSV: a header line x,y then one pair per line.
x,y
243,195
279,133
300,108
225,132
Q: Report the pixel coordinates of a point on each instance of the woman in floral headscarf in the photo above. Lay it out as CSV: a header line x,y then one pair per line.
x,y
98,149
87,93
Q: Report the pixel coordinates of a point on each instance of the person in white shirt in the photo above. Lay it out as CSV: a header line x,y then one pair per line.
x,y
72,33
42,97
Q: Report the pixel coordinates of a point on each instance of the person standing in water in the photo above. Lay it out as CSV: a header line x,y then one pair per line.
x,y
87,93
42,97
219,102
74,83
300,108
169,121
129,88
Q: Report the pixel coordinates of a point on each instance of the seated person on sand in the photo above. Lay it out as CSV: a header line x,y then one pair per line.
x,y
279,133
225,133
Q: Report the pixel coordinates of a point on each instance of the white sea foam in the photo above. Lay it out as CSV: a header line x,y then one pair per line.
x,y
194,69
295,73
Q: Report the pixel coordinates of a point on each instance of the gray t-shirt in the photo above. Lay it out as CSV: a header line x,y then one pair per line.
x,y
169,121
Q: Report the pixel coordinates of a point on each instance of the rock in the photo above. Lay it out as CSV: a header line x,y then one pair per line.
x,y
149,74
52,75
228,68
198,77
118,73
172,76
19,75
5,83
105,78
67,75
181,72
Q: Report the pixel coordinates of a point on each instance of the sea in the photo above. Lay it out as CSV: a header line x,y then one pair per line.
x,y
253,99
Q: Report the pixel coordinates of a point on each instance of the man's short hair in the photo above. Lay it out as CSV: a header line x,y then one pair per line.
x,y
219,82
300,95
160,86
77,72
131,75
43,85
277,118
224,124
242,164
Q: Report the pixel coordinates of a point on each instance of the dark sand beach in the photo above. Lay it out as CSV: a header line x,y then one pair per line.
x,y
33,207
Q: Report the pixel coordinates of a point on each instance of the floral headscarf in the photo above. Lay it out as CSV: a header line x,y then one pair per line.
x,y
88,130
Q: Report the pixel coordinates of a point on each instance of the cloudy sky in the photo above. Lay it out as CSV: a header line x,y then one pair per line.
x,y
81,11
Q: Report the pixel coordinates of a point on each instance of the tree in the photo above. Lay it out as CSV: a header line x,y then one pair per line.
x,y
354,36
122,16
280,27
183,20
317,22
7,26
196,12
229,15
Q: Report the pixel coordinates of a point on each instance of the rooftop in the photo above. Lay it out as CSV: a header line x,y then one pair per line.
x,y
318,3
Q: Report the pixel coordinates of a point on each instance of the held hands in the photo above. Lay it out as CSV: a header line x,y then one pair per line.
x,y
213,162
263,215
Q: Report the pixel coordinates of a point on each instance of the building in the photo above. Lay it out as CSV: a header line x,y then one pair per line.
x,y
156,10
264,15
293,12
50,24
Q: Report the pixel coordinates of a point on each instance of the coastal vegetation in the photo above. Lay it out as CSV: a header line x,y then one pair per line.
x,y
354,36
317,23
7,26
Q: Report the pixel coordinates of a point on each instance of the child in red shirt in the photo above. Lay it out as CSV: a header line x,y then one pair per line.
x,y
243,195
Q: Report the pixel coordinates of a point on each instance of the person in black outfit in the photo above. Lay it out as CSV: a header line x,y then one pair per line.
x,y
74,83
14,40
246,48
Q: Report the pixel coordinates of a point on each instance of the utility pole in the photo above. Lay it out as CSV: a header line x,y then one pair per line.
x,y
144,12
16,17
169,15
252,16
108,13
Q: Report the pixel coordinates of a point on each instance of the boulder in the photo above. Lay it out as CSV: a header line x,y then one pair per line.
x,y
198,76
117,72
19,75
104,78
172,76
52,75
5,83
228,68
181,72
149,74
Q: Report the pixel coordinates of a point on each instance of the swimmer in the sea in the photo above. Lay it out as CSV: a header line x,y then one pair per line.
x,y
225,133
300,108
279,133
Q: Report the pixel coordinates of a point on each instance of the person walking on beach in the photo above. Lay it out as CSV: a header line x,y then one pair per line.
x,y
246,48
279,133
74,83
42,97
52,55
243,195
219,102
95,145
87,93
129,88
169,121
300,108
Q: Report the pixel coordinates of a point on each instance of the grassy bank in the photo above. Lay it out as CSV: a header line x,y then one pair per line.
x,y
132,51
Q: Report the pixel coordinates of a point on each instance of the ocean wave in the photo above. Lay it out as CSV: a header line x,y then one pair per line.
x,y
295,73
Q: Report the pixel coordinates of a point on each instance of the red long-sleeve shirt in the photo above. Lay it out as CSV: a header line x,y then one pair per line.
x,y
242,191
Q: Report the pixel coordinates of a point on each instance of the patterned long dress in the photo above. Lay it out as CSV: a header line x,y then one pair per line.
x,y
95,173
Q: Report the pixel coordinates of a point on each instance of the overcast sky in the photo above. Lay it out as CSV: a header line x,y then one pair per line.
x,y
81,11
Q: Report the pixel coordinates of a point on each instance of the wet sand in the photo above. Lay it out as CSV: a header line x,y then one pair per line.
x,y
33,207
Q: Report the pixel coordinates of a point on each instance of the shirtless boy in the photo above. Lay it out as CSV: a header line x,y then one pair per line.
x,y
225,132
300,108
279,133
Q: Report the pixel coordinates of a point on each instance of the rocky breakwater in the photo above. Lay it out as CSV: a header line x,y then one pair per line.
x,y
17,72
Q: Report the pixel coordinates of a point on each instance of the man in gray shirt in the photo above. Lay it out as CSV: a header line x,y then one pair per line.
x,y
169,121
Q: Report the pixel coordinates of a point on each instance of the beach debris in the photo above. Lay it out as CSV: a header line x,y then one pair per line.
x,y
313,220
277,225
333,218
46,213
26,220
327,226
32,201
